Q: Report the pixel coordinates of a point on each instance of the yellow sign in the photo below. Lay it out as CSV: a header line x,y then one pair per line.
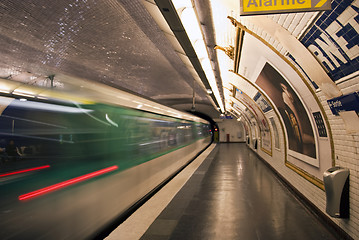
x,y
252,7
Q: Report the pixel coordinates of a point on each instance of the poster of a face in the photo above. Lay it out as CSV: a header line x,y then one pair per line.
x,y
291,109
266,143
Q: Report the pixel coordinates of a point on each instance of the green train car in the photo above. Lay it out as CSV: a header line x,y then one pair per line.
x,y
69,169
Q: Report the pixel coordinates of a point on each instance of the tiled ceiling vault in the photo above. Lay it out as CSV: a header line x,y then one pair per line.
x,y
113,42
132,45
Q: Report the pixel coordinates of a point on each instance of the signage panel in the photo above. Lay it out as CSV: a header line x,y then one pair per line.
x,y
255,7
334,39
349,102
320,124
226,117
262,103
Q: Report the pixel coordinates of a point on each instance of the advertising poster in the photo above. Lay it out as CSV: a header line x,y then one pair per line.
x,y
275,132
296,121
262,102
266,142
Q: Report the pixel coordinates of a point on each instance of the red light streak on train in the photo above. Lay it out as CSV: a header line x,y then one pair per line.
x,y
24,170
66,183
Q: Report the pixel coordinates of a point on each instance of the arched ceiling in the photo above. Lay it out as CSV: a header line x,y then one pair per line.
x,y
112,42
142,46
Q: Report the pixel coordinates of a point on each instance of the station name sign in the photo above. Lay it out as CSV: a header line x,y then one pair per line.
x,y
256,7
349,102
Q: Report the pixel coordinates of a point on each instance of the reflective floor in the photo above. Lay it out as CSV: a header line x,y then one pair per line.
x,y
234,195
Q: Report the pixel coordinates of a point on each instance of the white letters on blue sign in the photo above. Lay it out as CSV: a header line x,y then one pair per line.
x,y
332,51
332,48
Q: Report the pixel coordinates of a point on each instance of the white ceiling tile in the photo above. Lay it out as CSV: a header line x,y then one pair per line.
x,y
282,18
276,17
288,21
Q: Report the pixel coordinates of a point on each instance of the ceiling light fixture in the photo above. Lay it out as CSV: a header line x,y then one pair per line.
x,y
4,91
5,87
191,24
23,93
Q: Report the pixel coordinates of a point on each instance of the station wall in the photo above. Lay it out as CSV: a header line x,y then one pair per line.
x,y
333,40
231,128
346,152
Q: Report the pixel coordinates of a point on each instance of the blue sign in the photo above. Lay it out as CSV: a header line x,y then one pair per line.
x,y
348,102
226,117
334,39
262,103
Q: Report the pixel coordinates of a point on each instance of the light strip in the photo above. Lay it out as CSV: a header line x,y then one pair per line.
x,y
23,93
66,183
190,22
208,70
24,170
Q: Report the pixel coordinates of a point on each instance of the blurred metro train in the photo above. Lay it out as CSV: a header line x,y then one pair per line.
x,y
81,164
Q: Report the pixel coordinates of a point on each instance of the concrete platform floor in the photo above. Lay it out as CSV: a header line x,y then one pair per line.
x,y
234,195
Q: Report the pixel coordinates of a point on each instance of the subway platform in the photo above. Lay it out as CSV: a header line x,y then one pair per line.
x,y
226,193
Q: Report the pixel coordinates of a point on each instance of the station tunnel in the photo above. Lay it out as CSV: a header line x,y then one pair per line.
x,y
102,103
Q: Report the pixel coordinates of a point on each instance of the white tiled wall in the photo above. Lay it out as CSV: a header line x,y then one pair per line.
x,y
347,155
231,127
346,147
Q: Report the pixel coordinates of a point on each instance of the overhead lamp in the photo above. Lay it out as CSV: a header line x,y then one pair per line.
x,y
207,68
200,48
42,97
209,91
206,64
190,23
4,90
5,87
23,93
193,29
